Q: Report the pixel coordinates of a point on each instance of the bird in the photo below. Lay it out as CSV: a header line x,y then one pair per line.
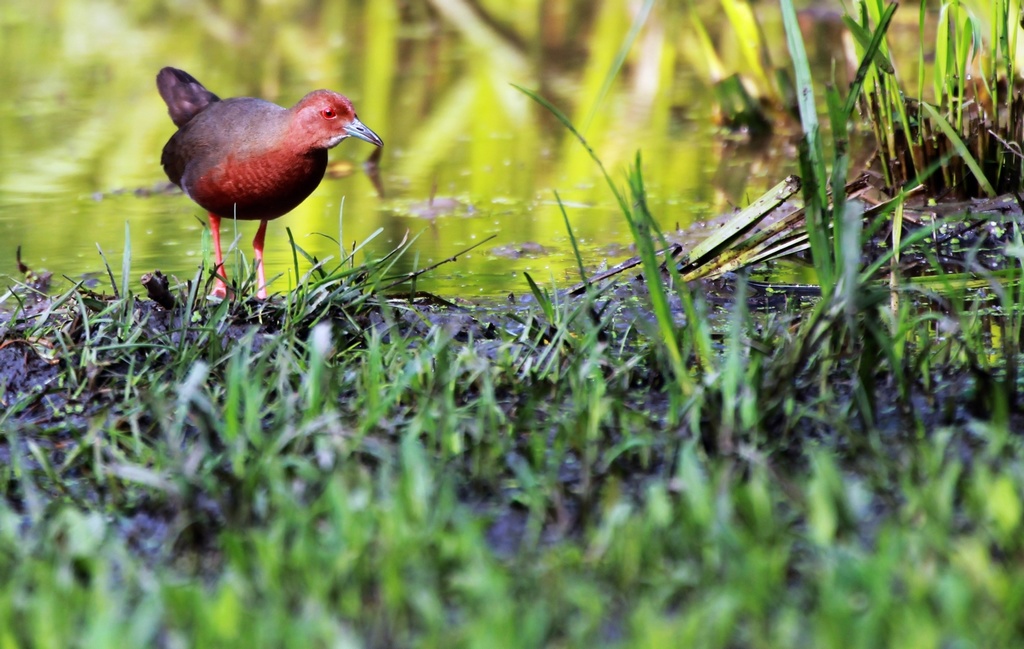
x,y
248,158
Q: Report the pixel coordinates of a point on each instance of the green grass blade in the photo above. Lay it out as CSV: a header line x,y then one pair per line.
x,y
870,43
567,123
872,54
960,147
627,44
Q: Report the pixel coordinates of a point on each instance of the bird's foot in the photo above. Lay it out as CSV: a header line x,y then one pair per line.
x,y
220,290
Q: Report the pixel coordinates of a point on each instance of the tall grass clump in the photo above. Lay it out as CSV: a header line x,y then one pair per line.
x,y
964,121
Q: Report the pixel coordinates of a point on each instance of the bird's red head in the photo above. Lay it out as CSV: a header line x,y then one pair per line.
x,y
327,118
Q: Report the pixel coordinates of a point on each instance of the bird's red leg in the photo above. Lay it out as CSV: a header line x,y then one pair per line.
x,y
220,289
257,247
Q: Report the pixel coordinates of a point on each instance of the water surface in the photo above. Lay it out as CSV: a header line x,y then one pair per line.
x,y
467,156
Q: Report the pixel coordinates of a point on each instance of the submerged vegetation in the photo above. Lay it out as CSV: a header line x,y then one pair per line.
x,y
628,464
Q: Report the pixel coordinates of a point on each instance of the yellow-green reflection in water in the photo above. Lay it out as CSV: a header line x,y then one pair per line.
x,y
80,119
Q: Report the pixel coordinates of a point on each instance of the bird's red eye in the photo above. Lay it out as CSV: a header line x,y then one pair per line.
x,y
328,113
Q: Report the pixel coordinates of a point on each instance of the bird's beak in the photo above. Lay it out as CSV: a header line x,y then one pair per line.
x,y
357,129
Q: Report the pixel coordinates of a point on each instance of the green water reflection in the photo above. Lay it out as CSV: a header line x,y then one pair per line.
x,y
80,119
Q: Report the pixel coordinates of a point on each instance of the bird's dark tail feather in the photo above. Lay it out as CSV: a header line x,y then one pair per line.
x,y
184,95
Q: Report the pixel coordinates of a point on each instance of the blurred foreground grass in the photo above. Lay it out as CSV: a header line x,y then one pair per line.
x,y
337,470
